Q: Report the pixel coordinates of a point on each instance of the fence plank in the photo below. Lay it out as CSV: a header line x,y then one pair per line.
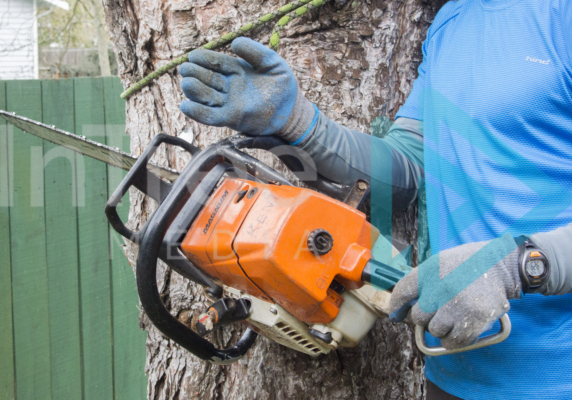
x,y
6,333
128,338
94,249
62,244
58,293
28,249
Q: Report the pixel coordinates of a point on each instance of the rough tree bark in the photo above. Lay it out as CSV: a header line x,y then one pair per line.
x,y
356,60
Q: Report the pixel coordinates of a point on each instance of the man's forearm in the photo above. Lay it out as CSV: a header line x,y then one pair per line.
x,y
343,155
557,245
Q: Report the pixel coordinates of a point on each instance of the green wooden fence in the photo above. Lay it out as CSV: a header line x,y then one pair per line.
x,y
68,301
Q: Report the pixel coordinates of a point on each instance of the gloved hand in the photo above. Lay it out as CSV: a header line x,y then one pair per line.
x,y
460,292
256,94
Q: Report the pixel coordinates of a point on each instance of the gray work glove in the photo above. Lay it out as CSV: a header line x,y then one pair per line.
x,y
458,293
256,94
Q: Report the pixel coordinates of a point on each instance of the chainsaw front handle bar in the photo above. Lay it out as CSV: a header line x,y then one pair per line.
x,y
179,203
501,336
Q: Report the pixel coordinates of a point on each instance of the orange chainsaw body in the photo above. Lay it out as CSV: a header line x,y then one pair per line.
x,y
253,237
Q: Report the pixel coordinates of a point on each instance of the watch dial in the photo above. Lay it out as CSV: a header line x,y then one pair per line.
x,y
535,267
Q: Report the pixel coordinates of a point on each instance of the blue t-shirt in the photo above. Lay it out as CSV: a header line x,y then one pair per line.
x,y
495,96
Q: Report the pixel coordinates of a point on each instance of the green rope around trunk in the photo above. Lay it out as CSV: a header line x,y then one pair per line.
x,y
289,11
275,37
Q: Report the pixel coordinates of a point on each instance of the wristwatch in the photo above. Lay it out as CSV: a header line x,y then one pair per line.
x,y
533,266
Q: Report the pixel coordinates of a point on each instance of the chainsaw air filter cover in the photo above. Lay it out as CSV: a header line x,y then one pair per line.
x,y
254,237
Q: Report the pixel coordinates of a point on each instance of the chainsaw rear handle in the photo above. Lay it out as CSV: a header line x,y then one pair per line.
x,y
498,337
384,277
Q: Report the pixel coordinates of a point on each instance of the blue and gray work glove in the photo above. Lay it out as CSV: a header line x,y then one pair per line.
x,y
458,293
255,94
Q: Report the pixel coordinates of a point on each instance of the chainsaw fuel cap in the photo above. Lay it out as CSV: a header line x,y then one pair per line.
x,y
320,242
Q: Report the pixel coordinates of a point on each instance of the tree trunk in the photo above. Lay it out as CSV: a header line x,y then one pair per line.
x,y
356,60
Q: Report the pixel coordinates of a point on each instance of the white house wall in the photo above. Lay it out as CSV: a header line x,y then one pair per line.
x,y
18,40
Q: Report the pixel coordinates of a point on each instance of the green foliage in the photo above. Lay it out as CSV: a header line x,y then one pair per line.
x,y
60,31
68,29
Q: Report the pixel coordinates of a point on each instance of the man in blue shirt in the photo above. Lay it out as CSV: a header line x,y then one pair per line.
x,y
487,132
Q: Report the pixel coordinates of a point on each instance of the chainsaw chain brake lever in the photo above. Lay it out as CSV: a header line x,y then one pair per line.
x,y
145,181
157,189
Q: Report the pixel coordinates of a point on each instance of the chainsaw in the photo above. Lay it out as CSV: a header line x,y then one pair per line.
x,y
293,264
296,265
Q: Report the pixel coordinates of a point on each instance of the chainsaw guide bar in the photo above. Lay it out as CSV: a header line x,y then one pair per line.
x,y
109,155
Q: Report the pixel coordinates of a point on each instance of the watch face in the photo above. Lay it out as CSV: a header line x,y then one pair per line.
x,y
535,267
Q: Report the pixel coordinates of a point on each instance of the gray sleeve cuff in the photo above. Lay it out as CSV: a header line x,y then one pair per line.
x,y
557,245
299,121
